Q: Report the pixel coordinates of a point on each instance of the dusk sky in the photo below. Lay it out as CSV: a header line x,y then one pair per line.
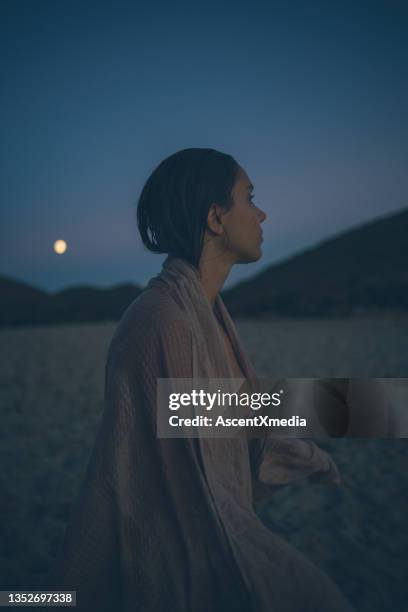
x,y
310,98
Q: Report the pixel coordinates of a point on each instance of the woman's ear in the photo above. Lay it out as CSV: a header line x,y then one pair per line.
x,y
214,221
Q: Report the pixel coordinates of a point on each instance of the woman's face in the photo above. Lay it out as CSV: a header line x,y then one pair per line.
x,y
242,223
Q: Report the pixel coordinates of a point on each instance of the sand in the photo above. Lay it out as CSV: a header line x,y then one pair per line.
x,y
51,397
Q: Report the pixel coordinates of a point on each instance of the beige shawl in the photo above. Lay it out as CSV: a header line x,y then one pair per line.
x,y
163,525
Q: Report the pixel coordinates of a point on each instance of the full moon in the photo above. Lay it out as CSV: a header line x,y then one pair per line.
x,y
60,246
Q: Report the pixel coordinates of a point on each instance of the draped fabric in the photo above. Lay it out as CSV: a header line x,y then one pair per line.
x,y
169,525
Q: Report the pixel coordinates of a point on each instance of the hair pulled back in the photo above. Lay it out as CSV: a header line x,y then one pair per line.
x,y
173,205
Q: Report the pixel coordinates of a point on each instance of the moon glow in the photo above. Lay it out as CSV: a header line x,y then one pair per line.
x,y
60,246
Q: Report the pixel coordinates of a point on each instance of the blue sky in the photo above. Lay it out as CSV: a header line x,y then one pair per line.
x,y
309,97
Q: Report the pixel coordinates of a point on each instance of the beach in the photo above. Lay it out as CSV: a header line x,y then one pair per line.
x,y
51,399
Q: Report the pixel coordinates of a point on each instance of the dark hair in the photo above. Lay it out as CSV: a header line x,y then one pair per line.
x,y
173,206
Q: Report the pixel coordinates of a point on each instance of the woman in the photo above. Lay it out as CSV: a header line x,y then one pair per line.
x,y
169,524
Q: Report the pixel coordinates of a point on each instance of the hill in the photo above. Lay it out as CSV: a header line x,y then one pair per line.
x,y
362,270
22,304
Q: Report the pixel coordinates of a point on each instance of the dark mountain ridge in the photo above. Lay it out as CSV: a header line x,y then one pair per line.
x,y
21,304
364,269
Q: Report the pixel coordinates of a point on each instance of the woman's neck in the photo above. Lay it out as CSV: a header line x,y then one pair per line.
x,y
213,276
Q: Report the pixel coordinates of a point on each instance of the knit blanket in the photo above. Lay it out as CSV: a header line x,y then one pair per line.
x,y
169,525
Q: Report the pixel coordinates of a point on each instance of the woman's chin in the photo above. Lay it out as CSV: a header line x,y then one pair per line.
x,y
259,253
251,257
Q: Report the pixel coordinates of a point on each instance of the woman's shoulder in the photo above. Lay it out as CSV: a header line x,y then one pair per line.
x,y
148,319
